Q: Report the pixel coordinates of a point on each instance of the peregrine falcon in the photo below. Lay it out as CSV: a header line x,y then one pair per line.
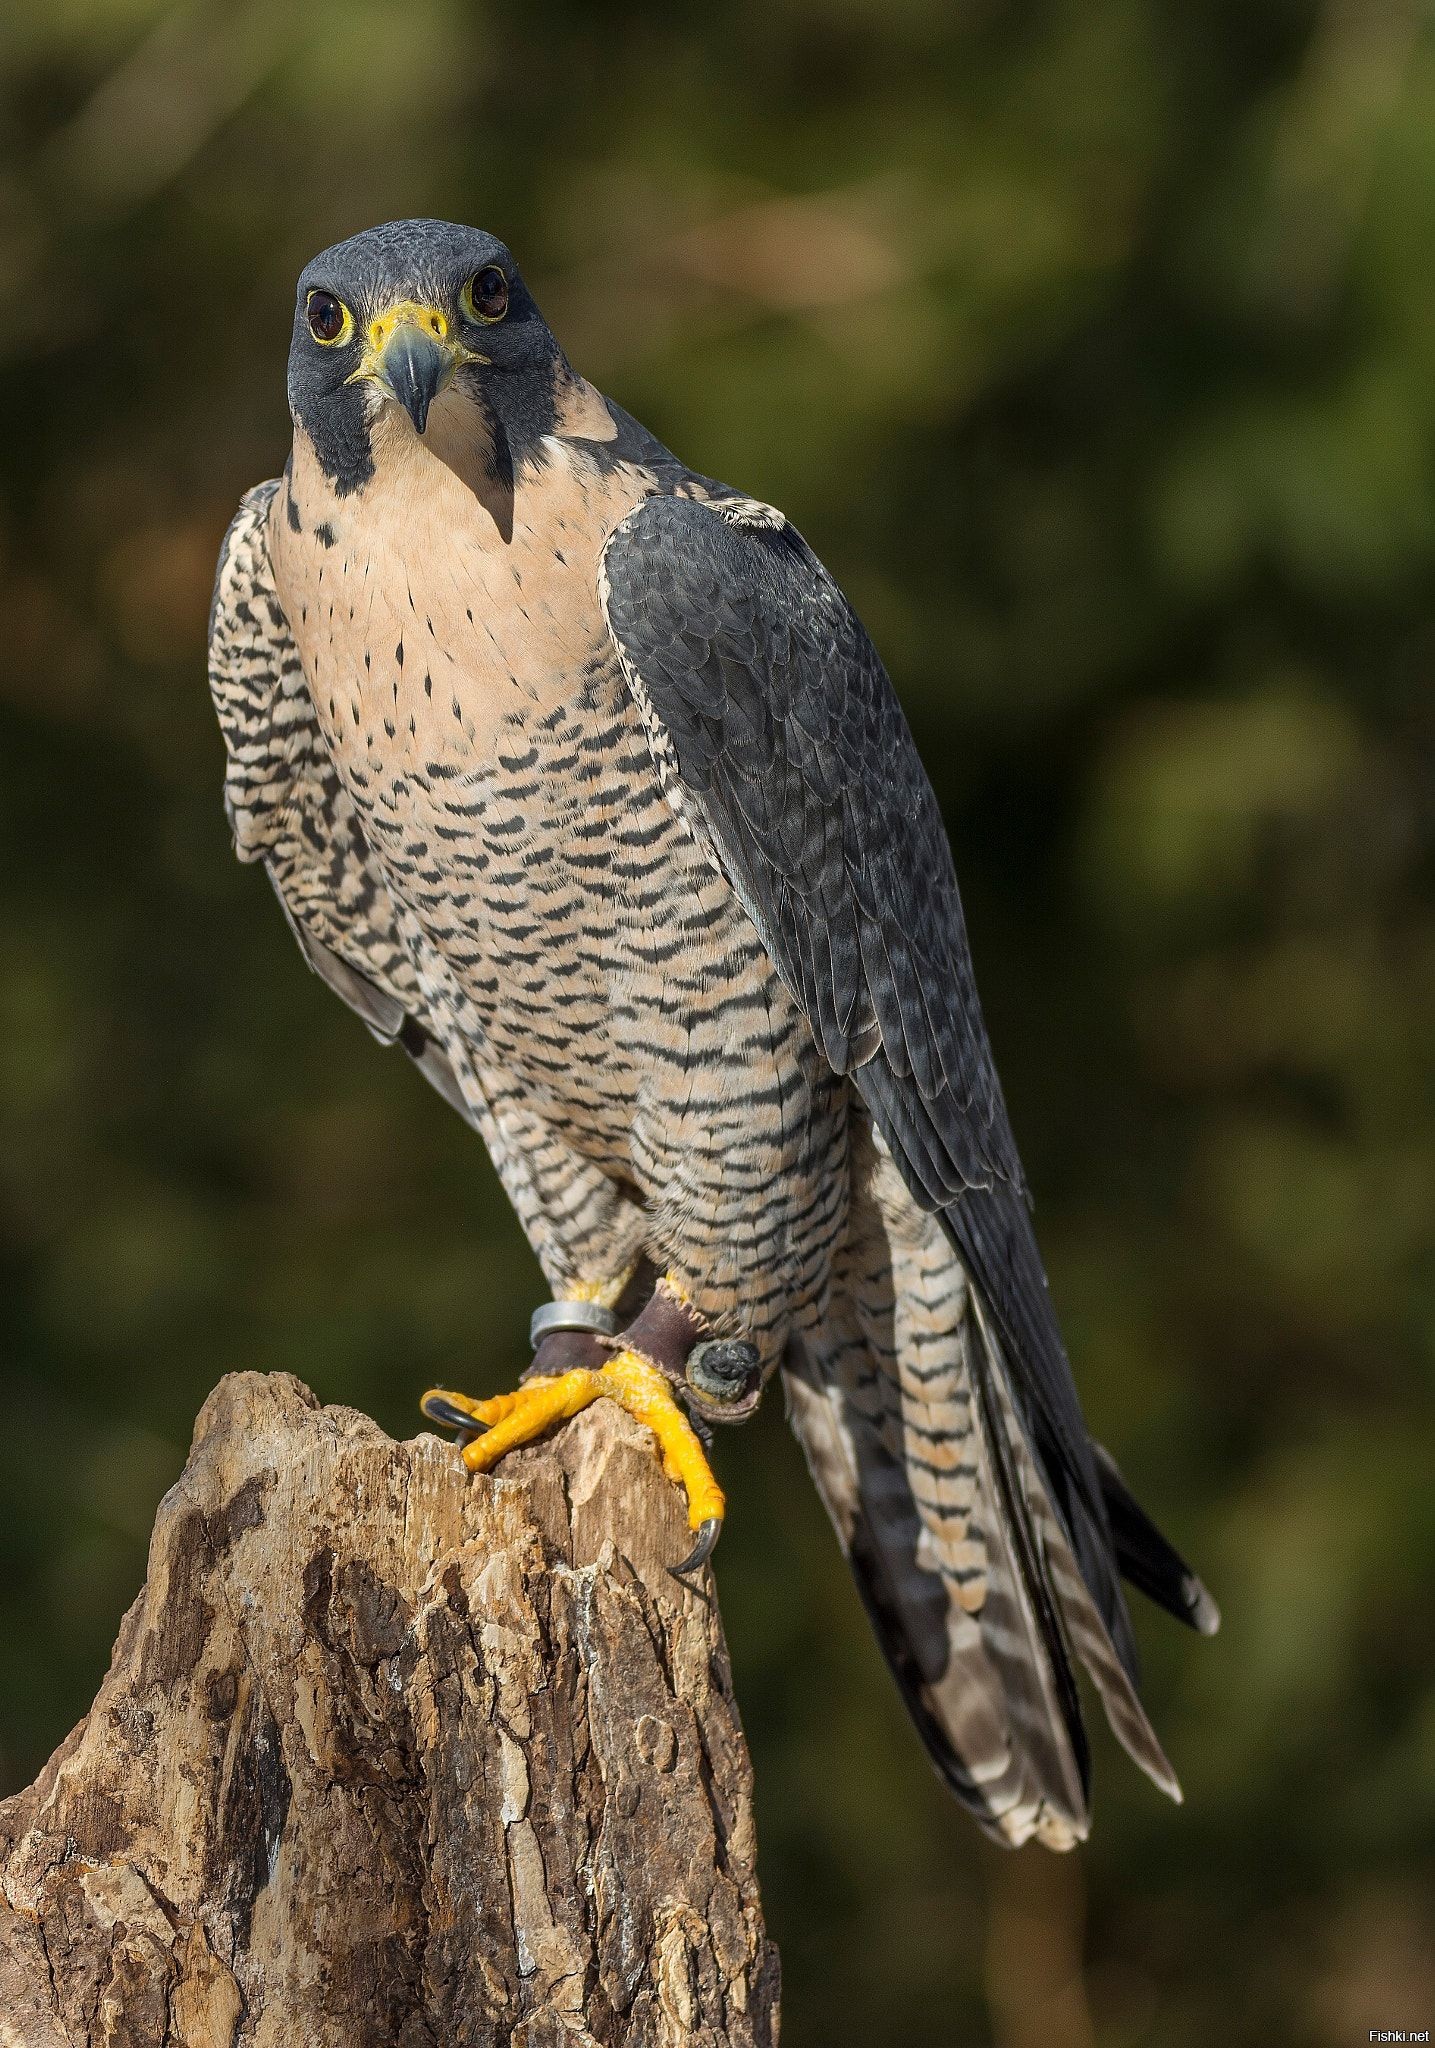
x,y
578,777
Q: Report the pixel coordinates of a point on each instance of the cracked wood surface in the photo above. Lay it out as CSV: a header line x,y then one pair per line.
x,y
390,1758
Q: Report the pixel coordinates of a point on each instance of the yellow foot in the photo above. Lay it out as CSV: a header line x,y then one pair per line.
x,y
508,1420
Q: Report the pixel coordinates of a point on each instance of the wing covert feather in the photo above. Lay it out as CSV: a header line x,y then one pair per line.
x,y
790,744
783,744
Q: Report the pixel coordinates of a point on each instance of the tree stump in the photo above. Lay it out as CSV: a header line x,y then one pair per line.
x,y
392,1758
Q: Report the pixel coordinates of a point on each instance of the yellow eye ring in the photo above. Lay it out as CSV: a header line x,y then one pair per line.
x,y
484,298
330,321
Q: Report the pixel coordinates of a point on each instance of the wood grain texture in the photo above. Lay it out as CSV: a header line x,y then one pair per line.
x,y
390,1758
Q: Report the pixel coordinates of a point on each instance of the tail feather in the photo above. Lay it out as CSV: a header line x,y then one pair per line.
x,y
1147,1560
924,1488
1108,1662
991,1699
984,1592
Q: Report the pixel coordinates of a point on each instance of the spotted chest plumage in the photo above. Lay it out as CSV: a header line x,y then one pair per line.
x,y
591,972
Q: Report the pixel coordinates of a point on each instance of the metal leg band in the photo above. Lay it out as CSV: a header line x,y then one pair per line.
x,y
553,1317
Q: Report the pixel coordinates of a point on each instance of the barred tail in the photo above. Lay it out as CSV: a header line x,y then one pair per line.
x,y
903,1409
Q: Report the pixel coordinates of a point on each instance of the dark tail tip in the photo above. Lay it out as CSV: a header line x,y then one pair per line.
x,y
1151,1564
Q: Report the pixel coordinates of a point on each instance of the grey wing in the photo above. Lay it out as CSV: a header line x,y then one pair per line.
x,y
782,741
288,808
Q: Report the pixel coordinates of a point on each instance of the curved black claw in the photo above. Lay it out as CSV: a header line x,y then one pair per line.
x,y
708,1534
436,1409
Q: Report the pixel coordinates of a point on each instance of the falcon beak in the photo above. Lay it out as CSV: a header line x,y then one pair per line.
x,y
412,357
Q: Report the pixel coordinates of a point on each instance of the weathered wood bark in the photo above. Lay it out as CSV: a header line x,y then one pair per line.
x,y
389,1758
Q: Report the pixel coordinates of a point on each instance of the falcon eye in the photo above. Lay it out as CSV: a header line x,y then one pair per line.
x,y
329,321
485,296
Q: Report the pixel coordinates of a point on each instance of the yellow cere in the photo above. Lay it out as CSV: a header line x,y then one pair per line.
x,y
430,320
408,313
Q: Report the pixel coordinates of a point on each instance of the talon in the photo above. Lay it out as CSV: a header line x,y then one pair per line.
x,y
708,1534
508,1420
446,1410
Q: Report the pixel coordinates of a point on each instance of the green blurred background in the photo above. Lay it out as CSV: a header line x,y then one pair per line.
x,y
1093,345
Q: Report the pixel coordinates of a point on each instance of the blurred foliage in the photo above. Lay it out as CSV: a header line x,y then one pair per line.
x,y
1093,344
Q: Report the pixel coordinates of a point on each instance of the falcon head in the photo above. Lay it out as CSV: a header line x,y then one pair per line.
x,y
389,321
